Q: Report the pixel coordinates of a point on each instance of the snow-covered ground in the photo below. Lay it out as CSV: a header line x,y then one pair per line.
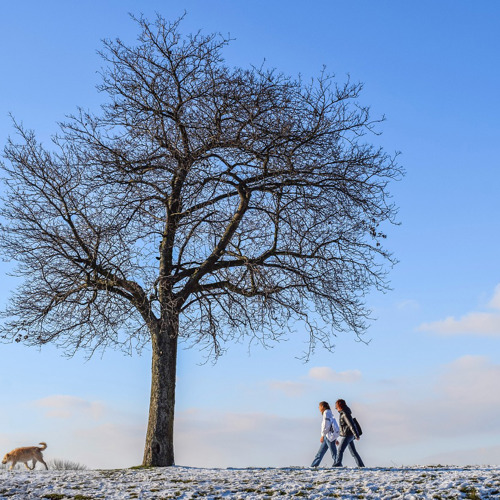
x,y
186,483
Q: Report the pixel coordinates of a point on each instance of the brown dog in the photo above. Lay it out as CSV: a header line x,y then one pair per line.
x,y
24,454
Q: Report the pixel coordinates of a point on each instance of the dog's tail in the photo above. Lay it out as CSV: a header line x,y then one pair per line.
x,y
44,445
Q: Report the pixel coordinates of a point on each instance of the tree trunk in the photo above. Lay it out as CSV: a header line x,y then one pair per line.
x,y
159,449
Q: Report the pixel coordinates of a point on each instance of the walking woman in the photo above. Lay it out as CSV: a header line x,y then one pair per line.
x,y
348,433
329,434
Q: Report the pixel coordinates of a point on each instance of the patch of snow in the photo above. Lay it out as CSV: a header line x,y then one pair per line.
x,y
409,483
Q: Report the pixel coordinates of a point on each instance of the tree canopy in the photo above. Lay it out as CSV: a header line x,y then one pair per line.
x,y
202,202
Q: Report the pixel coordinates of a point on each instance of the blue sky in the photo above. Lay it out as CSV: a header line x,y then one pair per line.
x,y
430,371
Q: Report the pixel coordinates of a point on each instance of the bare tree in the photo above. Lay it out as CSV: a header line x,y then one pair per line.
x,y
201,203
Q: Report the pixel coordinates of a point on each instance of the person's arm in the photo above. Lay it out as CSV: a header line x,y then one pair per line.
x,y
350,424
325,425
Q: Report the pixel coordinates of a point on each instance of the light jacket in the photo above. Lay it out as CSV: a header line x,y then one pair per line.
x,y
329,427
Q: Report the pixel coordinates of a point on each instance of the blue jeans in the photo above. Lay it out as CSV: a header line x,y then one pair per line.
x,y
322,450
344,442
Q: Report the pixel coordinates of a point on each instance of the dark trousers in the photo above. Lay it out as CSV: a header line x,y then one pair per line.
x,y
344,442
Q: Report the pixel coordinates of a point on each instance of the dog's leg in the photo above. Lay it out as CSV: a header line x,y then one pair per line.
x,y
34,464
27,466
13,465
43,462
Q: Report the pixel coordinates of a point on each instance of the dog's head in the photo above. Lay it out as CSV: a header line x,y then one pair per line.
x,y
6,458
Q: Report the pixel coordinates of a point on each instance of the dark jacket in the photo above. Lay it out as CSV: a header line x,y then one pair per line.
x,y
347,427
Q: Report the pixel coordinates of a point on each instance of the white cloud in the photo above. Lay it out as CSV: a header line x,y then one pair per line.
x,y
296,389
288,387
471,382
429,418
217,439
68,407
460,402
485,455
495,301
326,374
408,305
474,323
86,432
468,400
428,414
477,323
107,445
425,419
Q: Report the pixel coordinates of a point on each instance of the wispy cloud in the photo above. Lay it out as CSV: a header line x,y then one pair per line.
x,y
409,304
487,455
469,381
297,388
487,324
65,407
207,439
473,323
433,410
88,432
289,387
327,374
495,301
437,406
413,423
109,444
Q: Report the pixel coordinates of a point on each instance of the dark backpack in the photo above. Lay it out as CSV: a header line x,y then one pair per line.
x,y
357,426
